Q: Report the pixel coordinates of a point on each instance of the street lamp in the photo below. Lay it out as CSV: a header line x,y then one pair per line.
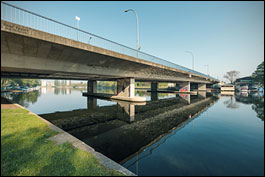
x,y
77,19
192,58
138,46
207,69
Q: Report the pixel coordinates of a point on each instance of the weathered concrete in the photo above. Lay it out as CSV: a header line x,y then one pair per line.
x,y
184,86
154,91
125,87
154,86
29,53
125,91
201,87
92,86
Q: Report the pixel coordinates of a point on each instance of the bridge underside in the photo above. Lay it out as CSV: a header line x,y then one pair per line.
x,y
29,53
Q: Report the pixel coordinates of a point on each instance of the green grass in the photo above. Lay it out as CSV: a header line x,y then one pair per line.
x,y
26,150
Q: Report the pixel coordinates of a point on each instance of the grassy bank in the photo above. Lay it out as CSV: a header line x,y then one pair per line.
x,y
26,150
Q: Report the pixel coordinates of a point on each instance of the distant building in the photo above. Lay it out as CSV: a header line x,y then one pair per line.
x,y
246,82
68,82
45,83
227,87
224,87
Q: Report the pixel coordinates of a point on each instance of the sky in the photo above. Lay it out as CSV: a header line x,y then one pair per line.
x,y
225,35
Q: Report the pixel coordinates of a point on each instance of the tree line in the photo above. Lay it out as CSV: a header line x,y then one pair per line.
x,y
7,82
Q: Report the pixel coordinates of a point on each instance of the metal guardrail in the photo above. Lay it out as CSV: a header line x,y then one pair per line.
x,y
29,19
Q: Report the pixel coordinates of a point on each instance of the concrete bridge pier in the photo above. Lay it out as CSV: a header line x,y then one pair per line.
x,y
125,91
209,88
92,86
184,86
154,86
125,87
154,89
201,87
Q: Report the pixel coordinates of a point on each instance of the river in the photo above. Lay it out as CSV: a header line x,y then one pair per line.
x,y
172,134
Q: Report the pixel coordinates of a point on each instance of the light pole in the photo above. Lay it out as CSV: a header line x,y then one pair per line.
x,y
77,19
138,46
207,69
192,58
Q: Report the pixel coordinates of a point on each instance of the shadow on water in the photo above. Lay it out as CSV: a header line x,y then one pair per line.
x,y
119,131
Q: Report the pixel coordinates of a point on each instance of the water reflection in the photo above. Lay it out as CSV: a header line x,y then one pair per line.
x,y
120,130
258,107
231,103
24,99
144,136
256,99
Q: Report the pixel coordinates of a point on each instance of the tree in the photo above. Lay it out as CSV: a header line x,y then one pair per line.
x,y
231,75
258,75
20,82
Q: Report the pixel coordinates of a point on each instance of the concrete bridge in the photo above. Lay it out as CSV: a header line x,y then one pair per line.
x,y
35,50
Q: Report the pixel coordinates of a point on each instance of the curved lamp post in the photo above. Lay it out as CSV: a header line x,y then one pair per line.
x,y
138,46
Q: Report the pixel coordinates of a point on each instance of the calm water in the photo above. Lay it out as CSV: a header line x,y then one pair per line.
x,y
169,135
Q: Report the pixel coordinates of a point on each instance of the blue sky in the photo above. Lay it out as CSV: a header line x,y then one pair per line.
x,y
224,35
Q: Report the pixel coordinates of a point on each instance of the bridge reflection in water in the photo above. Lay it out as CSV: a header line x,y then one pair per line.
x,y
121,131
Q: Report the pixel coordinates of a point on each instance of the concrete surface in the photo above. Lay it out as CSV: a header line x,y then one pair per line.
x,y
29,53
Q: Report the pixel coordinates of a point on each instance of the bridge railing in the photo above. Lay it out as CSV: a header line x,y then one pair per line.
x,y
26,18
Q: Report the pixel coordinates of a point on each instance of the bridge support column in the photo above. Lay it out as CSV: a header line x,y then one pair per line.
x,y
209,88
154,86
125,87
154,89
91,86
184,86
201,87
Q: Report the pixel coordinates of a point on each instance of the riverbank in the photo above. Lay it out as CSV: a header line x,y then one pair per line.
x,y
28,148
